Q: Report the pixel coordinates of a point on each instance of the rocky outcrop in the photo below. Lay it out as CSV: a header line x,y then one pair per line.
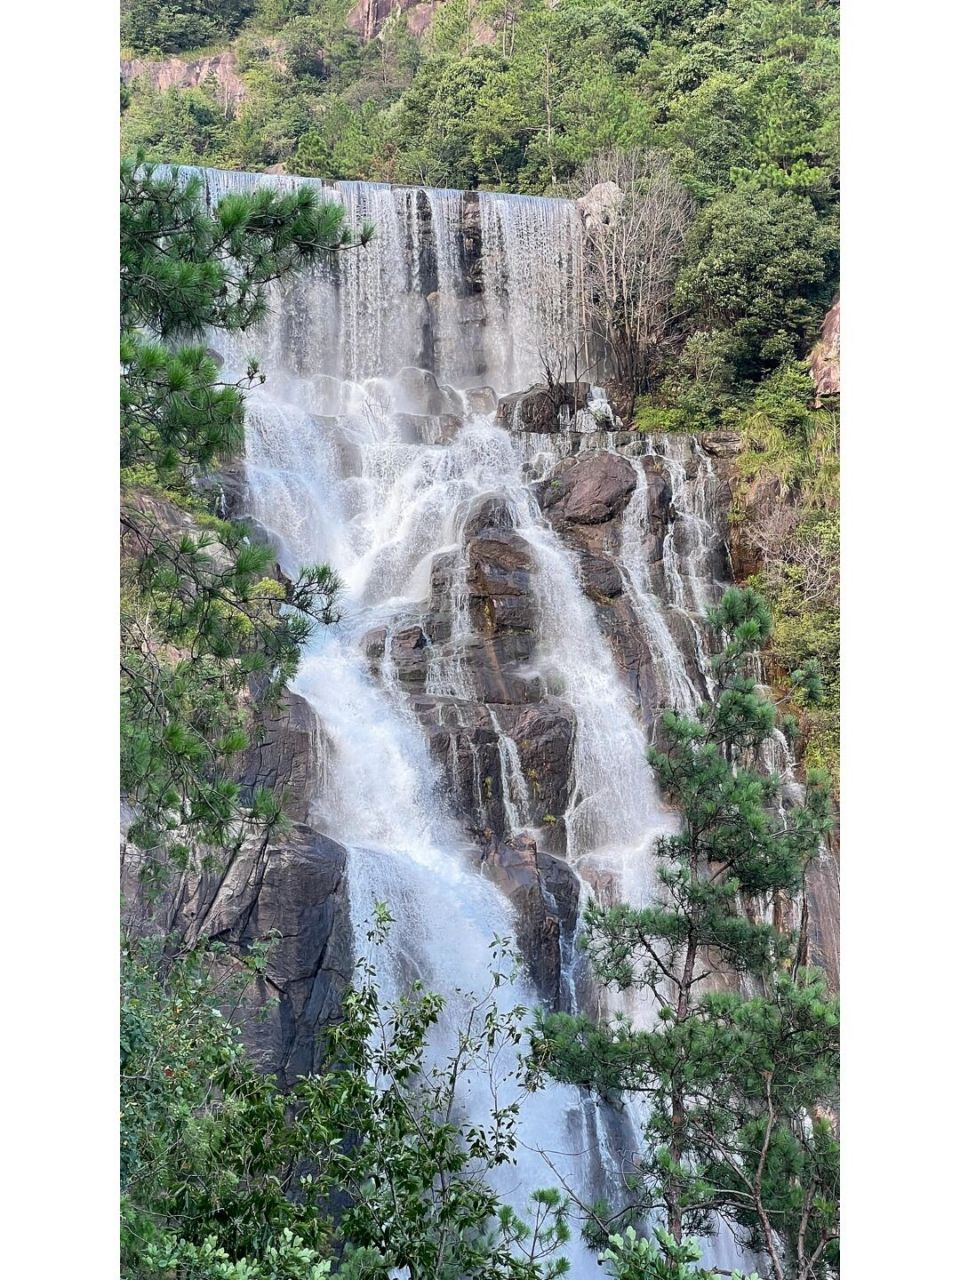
x,y
599,207
466,663
542,409
822,933
293,891
189,73
545,894
368,16
825,357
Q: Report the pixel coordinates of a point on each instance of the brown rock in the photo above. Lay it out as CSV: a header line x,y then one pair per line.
x,y
285,754
181,73
592,488
825,356
542,409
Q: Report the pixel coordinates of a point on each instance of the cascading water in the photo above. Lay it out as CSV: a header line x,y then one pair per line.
x,y
368,447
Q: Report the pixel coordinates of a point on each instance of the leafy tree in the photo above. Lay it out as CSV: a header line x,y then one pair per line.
x,y
224,1175
168,26
739,1086
758,277
187,126
202,613
631,1257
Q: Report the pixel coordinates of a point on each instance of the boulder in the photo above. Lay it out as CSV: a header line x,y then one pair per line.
x,y
541,409
592,488
481,400
599,207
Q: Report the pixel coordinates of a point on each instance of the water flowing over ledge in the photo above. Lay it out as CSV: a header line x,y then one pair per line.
x,y
518,608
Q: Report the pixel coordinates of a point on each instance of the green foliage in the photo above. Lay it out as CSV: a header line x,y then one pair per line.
x,y
169,26
738,1088
758,278
788,442
187,126
224,1175
630,1257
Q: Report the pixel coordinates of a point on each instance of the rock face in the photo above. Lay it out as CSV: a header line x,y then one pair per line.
x,y
825,356
285,754
294,889
545,893
368,16
181,73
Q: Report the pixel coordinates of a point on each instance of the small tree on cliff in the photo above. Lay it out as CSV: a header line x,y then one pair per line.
x,y
738,1086
201,612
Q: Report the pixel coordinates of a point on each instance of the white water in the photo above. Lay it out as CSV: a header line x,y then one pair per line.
x,y
358,458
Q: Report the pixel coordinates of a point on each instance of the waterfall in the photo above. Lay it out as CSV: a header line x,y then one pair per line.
x,y
370,447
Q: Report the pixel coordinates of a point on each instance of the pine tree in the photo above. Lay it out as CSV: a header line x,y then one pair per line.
x,y
739,1086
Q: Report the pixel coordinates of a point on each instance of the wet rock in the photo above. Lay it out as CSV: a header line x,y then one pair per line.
x,y
418,392
487,512
544,892
373,645
421,428
541,409
592,488
543,733
463,742
600,577
295,889
481,400
499,582
410,655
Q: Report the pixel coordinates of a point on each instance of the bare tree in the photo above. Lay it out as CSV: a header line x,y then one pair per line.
x,y
567,376
636,216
